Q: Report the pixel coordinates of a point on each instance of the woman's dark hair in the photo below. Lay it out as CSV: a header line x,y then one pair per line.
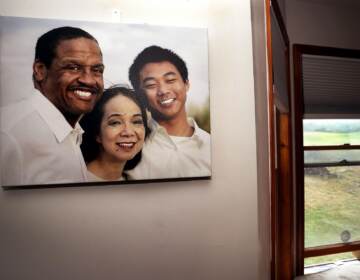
x,y
91,123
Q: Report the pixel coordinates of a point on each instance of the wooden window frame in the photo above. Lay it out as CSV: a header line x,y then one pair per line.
x,y
344,147
298,101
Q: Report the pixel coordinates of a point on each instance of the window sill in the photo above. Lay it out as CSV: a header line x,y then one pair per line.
x,y
347,270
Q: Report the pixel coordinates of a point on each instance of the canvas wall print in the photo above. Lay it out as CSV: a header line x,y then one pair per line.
x,y
104,103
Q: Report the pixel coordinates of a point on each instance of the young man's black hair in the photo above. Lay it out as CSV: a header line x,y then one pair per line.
x,y
155,54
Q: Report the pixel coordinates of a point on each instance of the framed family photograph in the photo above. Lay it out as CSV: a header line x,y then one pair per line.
x,y
102,103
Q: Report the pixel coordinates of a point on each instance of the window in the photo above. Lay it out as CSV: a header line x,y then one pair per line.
x,y
326,133
331,188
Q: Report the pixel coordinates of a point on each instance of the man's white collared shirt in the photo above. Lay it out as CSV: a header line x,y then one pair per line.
x,y
38,145
165,156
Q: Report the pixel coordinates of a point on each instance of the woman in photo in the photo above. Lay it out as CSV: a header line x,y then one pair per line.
x,y
115,132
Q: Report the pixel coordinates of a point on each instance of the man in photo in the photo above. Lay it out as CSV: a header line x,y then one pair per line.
x,y
41,136
177,147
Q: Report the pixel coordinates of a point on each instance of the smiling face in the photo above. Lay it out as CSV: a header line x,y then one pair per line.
x,y
122,130
165,90
74,80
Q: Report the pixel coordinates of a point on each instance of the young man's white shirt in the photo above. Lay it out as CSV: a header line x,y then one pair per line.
x,y
38,145
165,156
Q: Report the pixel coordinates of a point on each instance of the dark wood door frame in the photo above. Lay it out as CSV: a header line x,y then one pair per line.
x,y
280,155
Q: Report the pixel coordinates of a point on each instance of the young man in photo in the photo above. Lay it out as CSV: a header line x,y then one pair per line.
x,y
41,136
177,147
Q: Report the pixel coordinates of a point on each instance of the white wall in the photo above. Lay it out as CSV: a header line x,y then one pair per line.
x,y
262,136
330,23
282,6
179,230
